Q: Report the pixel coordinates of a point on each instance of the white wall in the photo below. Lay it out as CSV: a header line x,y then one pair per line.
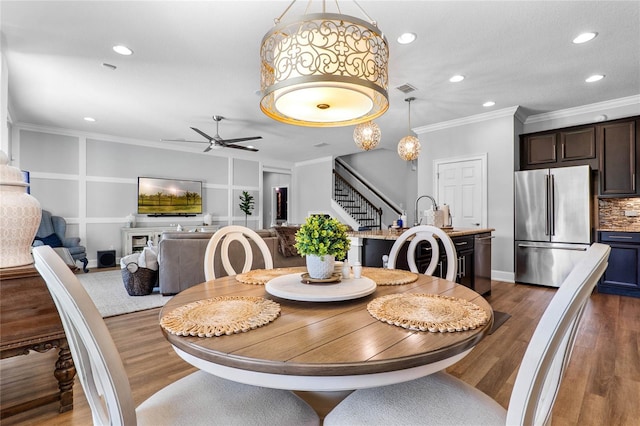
x,y
4,101
91,180
495,135
311,187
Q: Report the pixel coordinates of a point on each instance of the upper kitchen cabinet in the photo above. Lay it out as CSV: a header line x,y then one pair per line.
x,y
573,146
619,158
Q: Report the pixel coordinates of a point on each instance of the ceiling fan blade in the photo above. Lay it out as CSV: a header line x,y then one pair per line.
x,y
181,140
200,132
251,138
207,149
230,145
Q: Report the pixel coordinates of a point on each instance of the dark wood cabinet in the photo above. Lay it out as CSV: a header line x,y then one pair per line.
x,y
539,150
622,276
611,148
29,321
578,144
618,158
573,146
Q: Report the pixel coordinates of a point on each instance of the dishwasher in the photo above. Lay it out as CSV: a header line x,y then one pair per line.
x,y
482,263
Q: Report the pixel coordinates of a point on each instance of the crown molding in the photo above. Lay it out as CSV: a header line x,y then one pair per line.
x,y
505,112
584,109
313,161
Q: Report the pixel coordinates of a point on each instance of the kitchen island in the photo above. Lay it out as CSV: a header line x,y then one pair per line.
x,y
473,247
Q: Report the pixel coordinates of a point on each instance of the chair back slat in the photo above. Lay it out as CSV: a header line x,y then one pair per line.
x,y
550,347
224,237
96,358
426,233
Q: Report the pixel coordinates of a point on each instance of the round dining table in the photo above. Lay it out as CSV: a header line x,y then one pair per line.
x,y
325,345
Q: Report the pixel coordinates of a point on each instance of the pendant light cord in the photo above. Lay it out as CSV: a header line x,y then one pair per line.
x,y
409,100
279,18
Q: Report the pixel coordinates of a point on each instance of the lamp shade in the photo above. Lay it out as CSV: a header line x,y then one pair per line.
x,y
367,135
409,148
324,70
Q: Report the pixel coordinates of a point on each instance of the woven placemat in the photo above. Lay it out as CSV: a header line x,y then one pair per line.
x,y
261,276
428,312
384,276
222,315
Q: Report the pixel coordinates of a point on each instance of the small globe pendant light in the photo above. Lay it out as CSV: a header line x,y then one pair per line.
x,y
367,135
409,146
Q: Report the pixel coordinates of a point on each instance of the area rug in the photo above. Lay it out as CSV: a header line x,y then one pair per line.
x,y
498,319
111,298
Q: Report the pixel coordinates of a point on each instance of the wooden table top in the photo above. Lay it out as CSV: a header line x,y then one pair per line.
x,y
321,339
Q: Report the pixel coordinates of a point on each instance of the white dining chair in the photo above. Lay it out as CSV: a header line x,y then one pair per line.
x,y
224,237
197,399
426,233
442,399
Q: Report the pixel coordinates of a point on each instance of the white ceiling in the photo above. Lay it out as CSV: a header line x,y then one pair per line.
x,y
195,59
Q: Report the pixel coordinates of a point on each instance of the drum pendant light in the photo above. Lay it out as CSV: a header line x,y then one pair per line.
x,y
409,146
324,70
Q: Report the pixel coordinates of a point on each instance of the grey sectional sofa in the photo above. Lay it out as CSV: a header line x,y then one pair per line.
x,y
181,257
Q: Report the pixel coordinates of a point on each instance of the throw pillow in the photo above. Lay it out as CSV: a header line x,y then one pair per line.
x,y
287,239
51,240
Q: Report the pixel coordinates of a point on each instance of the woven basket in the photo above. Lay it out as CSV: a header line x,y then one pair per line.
x,y
139,281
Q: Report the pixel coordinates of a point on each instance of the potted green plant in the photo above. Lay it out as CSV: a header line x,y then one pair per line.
x,y
246,205
322,239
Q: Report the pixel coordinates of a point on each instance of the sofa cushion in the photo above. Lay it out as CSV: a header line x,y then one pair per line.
x,y
286,240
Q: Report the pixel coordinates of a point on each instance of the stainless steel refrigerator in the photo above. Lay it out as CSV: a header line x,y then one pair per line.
x,y
553,223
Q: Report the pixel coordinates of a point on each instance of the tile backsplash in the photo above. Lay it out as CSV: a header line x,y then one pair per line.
x,y
611,214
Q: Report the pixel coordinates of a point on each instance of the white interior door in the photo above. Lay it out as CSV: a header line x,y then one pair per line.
x,y
461,183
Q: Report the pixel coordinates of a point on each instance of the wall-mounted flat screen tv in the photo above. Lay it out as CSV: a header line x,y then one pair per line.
x,y
165,197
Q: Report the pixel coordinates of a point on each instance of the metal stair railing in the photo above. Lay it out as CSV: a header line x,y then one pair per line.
x,y
356,204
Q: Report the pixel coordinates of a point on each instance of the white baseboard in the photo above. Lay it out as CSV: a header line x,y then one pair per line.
x,y
505,276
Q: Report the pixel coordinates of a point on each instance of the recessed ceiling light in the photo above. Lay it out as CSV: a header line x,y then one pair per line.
x,y
488,104
90,119
407,38
456,78
595,77
584,37
123,50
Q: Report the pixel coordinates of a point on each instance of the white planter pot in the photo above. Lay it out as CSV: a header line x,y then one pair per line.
x,y
320,268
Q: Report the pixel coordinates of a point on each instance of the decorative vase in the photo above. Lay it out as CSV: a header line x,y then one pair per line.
x,y
20,216
320,267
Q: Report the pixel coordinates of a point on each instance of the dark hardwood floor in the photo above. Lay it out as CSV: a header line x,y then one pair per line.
x,y
601,386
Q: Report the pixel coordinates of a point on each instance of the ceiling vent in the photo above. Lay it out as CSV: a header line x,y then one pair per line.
x,y
321,144
406,88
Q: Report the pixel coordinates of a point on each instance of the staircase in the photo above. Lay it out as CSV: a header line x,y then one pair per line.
x,y
355,204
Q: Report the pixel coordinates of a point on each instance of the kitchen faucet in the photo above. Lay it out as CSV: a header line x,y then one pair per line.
x,y
435,207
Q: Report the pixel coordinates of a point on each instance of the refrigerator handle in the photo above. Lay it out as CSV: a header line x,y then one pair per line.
x,y
546,205
552,210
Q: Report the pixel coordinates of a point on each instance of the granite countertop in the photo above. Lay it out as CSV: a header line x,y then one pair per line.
x,y
392,234
620,228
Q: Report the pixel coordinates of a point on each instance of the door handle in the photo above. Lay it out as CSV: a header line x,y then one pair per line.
x,y
546,205
552,211
551,247
486,238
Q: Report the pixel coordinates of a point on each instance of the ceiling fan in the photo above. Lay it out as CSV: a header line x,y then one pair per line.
x,y
216,141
